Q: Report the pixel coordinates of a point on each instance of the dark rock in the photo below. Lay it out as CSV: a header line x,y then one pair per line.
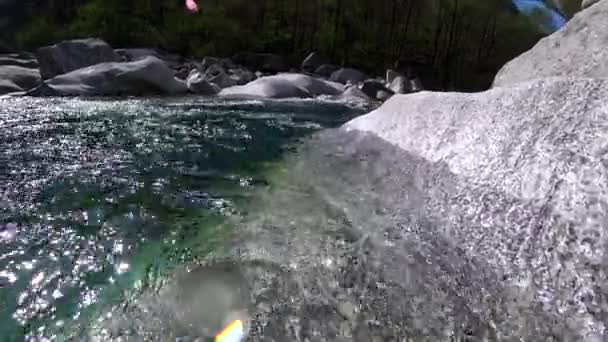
x,y
242,76
70,55
265,62
217,75
372,88
182,73
326,70
228,64
348,75
415,85
209,61
313,62
197,84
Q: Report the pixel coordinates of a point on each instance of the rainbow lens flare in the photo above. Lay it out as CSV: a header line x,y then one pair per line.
x,y
233,333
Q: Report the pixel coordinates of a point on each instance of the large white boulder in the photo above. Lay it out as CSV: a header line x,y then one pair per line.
x,y
147,76
578,49
539,150
287,85
70,55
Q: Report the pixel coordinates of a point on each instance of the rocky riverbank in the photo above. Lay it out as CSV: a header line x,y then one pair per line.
x,y
91,67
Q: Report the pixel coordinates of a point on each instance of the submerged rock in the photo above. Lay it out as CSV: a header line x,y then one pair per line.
x,y
147,76
70,55
284,86
16,78
578,49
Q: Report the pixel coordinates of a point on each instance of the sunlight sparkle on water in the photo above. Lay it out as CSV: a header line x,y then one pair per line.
x,y
10,276
122,268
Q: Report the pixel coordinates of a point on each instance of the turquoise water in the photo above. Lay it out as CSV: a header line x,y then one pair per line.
x,y
99,196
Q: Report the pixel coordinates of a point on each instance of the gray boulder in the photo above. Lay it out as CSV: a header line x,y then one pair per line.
x,y
209,61
415,85
147,76
521,165
199,85
384,94
242,76
578,49
222,80
400,85
70,55
284,86
326,70
217,75
182,73
265,62
391,75
313,62
348,75
16,78
137,54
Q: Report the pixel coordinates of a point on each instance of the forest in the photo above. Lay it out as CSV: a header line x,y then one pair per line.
x,y
453,44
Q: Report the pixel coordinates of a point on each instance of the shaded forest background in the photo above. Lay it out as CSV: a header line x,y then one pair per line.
x,y
451,44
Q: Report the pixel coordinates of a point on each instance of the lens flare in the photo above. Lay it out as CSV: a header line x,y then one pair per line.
x,y
191,5
233,333
546,16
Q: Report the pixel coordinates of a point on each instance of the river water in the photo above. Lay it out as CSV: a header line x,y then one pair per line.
x,y
100,196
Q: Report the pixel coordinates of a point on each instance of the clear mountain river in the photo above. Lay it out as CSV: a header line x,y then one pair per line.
x,y
98,196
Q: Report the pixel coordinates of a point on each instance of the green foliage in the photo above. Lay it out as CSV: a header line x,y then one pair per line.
x,y
38,32
459,39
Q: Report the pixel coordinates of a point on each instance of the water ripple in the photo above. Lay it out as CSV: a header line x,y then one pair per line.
x,y
91,191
